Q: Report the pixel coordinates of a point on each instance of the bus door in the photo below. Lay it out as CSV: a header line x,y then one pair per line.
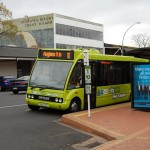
x,y
93,88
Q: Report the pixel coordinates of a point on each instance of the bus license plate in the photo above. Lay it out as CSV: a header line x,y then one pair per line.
x,y
43,104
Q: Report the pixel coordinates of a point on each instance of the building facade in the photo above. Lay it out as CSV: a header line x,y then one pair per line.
x,y
46,31
16,61
56,31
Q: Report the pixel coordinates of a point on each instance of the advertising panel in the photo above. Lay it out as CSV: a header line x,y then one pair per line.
x,y
141,85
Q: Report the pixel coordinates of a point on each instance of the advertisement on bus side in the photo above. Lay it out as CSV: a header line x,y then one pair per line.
x,y
112,94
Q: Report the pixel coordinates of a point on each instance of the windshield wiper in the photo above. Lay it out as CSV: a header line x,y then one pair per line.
x,y
38,86
43,87
33,86
49,87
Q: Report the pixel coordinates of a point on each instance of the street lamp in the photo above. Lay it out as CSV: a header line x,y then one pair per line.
x,y
125,34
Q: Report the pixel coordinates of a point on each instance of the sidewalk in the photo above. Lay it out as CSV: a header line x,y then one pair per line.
x,y
123,127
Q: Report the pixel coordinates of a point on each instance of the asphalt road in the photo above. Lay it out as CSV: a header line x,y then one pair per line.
x,y
23,129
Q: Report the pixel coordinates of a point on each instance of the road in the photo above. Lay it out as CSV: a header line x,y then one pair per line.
x,y
23,129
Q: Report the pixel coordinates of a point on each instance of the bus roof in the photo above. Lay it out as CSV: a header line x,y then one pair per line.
x,y
71,55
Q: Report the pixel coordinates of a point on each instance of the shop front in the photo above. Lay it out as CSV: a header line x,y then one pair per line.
x,y
16,61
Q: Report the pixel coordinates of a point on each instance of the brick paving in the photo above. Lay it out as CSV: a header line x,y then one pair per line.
x,y
123,127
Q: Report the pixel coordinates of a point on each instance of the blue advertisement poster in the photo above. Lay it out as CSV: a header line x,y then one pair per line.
x,y
141,86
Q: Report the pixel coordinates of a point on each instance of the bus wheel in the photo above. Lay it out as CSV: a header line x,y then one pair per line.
x,y
35,108
74,106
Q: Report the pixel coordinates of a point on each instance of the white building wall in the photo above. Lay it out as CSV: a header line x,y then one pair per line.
x,y
75,40
8,68
78,23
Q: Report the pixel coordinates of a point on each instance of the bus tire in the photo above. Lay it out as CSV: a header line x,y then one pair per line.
x,y
75,106
34,108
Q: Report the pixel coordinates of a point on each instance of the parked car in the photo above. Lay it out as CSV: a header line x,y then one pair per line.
x,y
5,82
20,84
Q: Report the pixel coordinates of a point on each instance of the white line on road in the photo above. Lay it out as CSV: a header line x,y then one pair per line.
x,y
12,106
60,134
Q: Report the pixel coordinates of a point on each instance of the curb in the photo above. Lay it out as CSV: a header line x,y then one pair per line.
x,y
86,126
75,120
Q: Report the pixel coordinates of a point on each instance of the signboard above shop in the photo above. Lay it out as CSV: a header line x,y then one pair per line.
x,y
141,85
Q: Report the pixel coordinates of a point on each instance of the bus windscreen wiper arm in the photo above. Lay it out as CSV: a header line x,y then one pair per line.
x,y
48,87
39,86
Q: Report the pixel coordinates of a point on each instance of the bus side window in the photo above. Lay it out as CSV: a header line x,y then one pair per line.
x,y
122,73
76,77
113,73
105,73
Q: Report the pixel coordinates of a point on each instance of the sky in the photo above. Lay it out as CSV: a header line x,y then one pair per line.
x,y
117,16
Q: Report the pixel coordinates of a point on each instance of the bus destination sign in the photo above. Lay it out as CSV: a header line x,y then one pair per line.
x,y
56,54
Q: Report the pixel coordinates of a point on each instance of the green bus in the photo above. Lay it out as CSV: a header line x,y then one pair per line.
x,y
57,79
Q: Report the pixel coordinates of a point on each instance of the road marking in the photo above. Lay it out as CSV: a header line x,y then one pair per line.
x,y
12,106
60,134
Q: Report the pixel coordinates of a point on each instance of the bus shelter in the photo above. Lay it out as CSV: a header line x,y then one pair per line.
x,y
140,79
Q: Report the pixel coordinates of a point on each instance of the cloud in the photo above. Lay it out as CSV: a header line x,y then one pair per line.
x,y
111,11
116,15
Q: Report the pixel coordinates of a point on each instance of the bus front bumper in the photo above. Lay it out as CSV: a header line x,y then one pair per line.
x,y
59,106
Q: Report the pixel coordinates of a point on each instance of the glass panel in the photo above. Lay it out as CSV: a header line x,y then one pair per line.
x,y
111,73
78,32
49,74
76,77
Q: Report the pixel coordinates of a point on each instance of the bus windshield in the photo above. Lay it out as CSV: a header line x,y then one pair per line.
x,y
50,74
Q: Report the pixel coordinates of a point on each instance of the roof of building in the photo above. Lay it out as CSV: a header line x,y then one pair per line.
x,y
140,52
114,49
62,16
17,52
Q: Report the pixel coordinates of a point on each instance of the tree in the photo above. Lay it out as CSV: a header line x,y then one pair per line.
x,y
141,40
7,27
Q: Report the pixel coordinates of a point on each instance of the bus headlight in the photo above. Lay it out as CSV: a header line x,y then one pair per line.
x,y
32,96
60,100
29,96
56,100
